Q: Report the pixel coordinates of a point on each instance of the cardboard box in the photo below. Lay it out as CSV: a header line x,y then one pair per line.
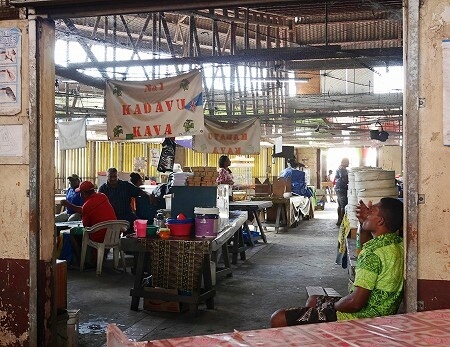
x,y
161,305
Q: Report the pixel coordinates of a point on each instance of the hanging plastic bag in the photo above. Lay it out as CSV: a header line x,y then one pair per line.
x,y
167,157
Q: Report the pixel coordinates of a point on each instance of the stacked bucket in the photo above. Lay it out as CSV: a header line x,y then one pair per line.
x,y
368,184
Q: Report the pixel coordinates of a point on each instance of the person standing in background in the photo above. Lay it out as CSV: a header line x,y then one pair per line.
x,y
341,188
330,174
329,189
72,203
225,176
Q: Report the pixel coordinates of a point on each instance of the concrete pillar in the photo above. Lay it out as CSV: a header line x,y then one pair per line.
x,y
432,235
27,305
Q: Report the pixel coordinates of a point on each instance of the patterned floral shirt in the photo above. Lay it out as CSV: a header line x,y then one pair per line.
x,y
380,269
224,177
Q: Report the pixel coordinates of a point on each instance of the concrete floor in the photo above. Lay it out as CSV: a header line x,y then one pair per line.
x,y
273,276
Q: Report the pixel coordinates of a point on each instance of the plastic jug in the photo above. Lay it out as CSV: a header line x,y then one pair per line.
x,y
140,227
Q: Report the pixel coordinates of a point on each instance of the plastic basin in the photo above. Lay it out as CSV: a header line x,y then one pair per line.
x,y
180,229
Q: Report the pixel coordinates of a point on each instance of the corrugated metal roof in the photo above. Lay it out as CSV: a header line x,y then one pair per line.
x,y
257,30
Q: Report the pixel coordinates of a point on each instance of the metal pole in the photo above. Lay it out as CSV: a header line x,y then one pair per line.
x,y
411,148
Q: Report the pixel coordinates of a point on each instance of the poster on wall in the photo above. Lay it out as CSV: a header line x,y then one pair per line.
x,y
446,91
161,108
229,138
154,157
10,79
11,140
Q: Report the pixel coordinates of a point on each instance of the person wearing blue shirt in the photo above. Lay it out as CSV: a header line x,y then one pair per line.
x,y
74,198
298,180
119,194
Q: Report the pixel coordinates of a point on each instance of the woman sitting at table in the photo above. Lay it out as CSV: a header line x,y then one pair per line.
x,y
298,181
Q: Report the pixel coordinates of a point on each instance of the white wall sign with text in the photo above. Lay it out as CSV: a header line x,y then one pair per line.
x,y
10,68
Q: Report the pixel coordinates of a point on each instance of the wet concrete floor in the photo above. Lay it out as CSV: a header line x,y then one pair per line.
x,y
273,276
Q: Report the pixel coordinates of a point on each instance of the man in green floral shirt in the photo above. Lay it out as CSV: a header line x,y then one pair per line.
x,y
378,286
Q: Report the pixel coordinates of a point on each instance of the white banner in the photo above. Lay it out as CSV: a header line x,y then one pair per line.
x,y
166,107
228,138
72,134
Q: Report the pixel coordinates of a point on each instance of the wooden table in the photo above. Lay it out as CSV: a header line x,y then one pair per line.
x,y
254,207
202,250
288,210
430,328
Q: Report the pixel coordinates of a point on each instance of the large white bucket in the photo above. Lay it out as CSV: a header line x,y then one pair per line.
x,y
393,191
374,175
374,199
374,184
168,199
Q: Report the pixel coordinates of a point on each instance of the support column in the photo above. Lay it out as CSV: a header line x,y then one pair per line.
x,y
27,305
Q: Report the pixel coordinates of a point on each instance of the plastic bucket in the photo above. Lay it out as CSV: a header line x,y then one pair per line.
x,y
206,221
151,230
168,200
140,227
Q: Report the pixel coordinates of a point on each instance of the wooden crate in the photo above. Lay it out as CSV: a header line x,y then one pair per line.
x,y
61,285
161,305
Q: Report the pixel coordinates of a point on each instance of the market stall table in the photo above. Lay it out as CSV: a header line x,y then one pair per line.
x,y
288,210
180,263
429,328
254,207
67,225
58,207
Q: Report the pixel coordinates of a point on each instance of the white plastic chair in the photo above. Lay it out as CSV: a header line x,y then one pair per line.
x,y
112,240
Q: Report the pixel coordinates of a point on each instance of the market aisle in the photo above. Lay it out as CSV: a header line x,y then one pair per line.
x,y
274,276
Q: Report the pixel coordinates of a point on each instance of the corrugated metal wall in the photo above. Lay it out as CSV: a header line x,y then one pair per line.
x,y
98,156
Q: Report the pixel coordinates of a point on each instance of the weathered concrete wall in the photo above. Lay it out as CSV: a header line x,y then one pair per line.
x,y
27,307
434,164
14,217
390,158
308,156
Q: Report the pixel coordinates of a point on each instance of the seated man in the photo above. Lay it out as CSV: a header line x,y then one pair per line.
x,y
96,209
73,202
119,194
144,207
378,286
